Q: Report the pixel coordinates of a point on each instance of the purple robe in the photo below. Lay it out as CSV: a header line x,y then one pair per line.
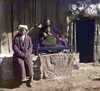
x,y
54,33
22,59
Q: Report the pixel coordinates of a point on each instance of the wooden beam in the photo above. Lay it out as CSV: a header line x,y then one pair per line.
x,y
21,12
2,20
15,15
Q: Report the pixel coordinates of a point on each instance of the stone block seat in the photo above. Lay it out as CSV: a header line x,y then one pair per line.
x,y
44,65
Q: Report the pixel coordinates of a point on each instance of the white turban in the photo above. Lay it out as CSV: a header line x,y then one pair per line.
x,y
23,26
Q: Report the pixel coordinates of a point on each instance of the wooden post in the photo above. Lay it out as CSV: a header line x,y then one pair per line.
x,y
21,12
70,36
27,12
35,45
2,20
12,17
15,16
74,36
8,27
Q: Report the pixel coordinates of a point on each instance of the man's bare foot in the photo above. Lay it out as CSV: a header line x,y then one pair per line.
x,y
29,83
24,79
31,79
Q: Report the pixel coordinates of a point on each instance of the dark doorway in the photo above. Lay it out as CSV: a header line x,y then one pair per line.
x,y
85,39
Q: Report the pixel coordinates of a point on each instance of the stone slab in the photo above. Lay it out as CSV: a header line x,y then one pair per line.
x,y
57,65
45,66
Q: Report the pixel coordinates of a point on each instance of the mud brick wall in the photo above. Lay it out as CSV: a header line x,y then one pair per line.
x,y
45,66
57,65
7,68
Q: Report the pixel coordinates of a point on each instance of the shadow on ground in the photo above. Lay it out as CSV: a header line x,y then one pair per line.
x,y
10,84
96,79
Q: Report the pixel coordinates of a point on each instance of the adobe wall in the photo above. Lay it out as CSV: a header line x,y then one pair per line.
x,y
45,66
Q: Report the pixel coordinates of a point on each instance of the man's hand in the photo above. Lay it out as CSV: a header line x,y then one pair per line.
x,y
45,35
25,56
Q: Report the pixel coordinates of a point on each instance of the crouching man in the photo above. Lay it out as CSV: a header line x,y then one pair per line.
x,y
22,60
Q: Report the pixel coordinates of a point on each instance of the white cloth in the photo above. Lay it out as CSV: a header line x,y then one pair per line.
x,y
23,26
23,37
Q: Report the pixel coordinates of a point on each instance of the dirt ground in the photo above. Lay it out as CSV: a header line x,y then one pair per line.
x,y
84,77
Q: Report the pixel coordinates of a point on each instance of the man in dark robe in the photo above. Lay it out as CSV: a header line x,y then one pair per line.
x,y
22,60
49,35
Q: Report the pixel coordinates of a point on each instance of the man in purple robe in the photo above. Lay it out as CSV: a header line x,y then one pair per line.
x,y
22,60
49,35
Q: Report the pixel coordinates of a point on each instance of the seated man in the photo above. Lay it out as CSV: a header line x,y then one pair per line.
x,y
49,35
22,59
